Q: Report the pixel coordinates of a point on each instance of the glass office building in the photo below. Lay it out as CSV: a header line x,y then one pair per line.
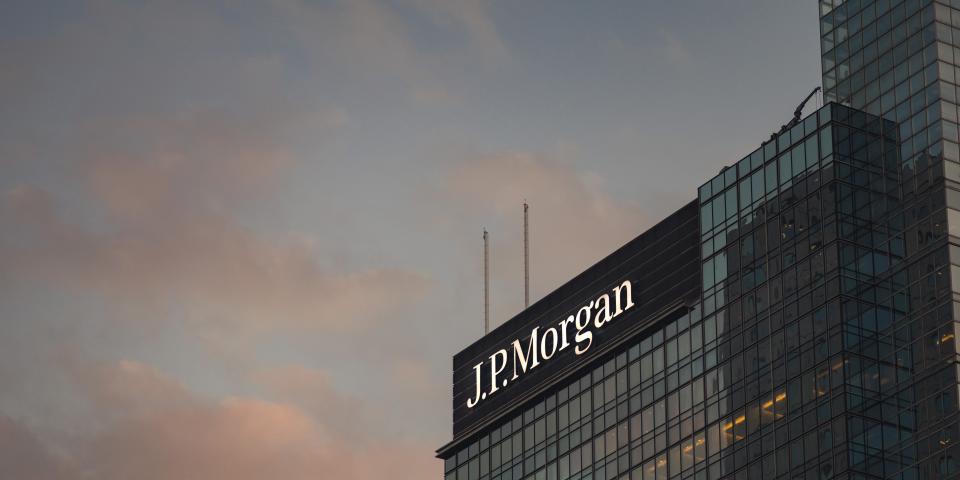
x,y
796,320
897,59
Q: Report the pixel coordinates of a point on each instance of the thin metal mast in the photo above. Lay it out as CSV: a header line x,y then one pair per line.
x,y
486,283
526,255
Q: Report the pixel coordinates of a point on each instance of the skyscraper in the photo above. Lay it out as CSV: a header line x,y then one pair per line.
x,y
897,59
796,320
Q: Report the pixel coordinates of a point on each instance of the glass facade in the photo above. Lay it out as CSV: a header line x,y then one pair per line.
x,y
897,59
796,364
824,343
882,57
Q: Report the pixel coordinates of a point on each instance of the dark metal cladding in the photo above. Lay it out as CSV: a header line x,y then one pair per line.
x,y
663,266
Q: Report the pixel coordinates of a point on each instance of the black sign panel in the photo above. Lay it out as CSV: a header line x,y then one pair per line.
x,y
663,267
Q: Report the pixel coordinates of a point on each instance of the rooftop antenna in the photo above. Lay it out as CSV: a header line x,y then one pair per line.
x,y
796,116
526,255
486,282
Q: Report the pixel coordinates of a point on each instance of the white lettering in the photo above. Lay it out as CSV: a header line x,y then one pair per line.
x,y
497,370
523,358
583,334
476,399
564,343
587,318
598,321
551,332
624,287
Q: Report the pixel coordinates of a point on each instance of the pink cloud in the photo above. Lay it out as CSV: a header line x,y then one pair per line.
x,y
24,457
313,390
169,233
153,225
157,429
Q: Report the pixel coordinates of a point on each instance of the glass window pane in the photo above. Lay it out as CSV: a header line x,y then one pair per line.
x,y
708,274
811,152
826,142
770,176
706,218
756,184
719,212
769,150
785,168
745,196
731,202
799,163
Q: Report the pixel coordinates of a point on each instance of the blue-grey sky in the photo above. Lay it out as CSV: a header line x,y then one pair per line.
x,y
242,239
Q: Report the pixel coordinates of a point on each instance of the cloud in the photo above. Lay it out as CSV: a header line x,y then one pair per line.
x,y
154,428
674,50
573,221
433,95
384,31
375,40
156,229
146,148
313,390
369,31
24,457
167,230
470,16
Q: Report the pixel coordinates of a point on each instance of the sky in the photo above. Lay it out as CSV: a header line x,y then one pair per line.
x,y
242,239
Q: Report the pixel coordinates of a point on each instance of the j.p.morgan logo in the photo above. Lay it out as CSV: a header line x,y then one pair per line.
x,y
542,347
